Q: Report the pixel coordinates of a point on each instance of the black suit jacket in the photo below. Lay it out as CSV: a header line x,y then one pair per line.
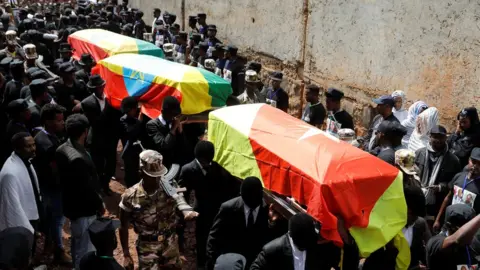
x,y
212,189
79,181
44,161
161,140
278,255
229,232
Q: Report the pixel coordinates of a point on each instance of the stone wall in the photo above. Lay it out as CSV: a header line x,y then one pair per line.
x,y
367,48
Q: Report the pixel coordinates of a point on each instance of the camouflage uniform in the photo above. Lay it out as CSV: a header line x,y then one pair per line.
x,y
154,219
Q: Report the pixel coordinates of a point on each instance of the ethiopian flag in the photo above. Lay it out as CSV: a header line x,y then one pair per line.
x,y
102,43
329,176
151,79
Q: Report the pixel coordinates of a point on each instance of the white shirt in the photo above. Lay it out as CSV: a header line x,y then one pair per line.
x,y
160,117
298,256
201,167
101,102
246,210
17,200
408,233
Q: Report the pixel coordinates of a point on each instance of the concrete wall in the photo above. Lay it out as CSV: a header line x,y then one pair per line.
x,y
427,48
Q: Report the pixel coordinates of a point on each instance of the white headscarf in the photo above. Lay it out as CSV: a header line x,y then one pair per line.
x,y
400,114
409,123
425,122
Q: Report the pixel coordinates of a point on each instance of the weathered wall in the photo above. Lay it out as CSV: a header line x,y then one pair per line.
x,y
427,48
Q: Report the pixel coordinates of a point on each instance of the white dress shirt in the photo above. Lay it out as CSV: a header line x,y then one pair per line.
x,y
201,167
408,233
160,117
101,102
298,256
246,210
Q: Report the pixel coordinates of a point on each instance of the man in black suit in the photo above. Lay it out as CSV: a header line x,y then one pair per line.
x,y
294,250
47,141
86,63
241,225
80,186
213,185
102,133
165,132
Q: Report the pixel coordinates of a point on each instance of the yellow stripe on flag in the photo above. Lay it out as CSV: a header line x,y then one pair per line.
x,y
194,89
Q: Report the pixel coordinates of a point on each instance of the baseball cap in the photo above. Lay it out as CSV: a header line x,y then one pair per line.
x,y
475,155
334,93
438,130
151,163
459,214
384,100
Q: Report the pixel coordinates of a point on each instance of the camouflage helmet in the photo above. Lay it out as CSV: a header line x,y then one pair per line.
x,y
151,163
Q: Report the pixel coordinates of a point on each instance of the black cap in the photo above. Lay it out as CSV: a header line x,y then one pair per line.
x,y
256,66
95,81
212,27
438,130
475,155
392,128
276,76
102,228
231,48
31,70
156,10
6,61
183,35
65,47
196,37
192,18
203,45
38,84
66,68
16,63
85,59
17,106
15,247
384,100
201,15
334,93
459,214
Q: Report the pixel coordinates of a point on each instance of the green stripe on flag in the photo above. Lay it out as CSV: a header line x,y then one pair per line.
x,y
218,88
147,48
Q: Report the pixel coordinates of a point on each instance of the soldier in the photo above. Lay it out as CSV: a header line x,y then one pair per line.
x,y
13,49
233,70
151,206
168,50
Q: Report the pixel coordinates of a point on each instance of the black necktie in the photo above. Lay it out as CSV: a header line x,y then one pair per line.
x,y
251,220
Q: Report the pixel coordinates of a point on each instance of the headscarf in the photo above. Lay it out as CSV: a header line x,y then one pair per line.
x,y
425,122
400,114
409,123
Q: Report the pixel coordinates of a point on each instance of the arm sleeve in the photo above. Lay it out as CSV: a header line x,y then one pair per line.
x,y
215,238
160,141
260,262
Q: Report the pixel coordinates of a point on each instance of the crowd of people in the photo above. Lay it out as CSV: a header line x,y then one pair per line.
x,y
59,154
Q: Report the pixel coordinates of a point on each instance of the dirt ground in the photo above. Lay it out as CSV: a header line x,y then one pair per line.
x,y
111,202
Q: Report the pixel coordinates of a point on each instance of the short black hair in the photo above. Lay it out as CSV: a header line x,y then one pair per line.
x,y
18,140
37,91
129,103
313,88
415,200
76,125
171,104
50,111
204,150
